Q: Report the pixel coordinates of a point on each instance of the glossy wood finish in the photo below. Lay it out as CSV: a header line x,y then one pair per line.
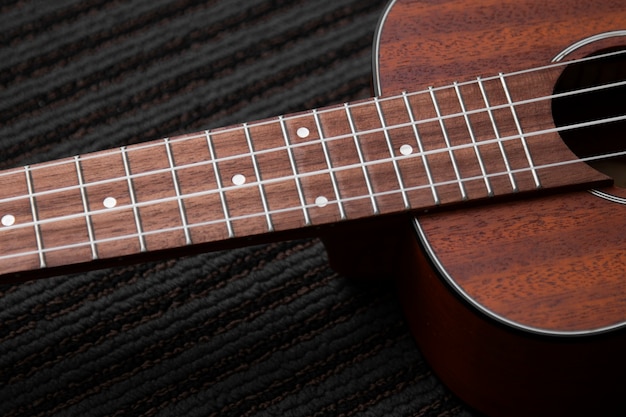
x,y
417,151
520,274
511,302
503,372
526,236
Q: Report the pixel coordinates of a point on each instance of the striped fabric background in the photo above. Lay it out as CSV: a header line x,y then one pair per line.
x,y
265,330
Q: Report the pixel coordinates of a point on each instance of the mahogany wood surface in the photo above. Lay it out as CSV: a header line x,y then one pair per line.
x,y
527,236
551,268
503,372
407,152
545,265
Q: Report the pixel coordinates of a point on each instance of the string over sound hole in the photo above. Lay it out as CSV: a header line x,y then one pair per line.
x,y
588,106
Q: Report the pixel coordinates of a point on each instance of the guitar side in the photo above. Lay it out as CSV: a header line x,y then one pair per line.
x,y
517,306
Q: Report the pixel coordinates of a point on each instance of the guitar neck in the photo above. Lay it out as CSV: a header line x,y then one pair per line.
x,y
410,152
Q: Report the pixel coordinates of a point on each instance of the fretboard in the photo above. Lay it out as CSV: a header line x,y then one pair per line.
x,y
410,152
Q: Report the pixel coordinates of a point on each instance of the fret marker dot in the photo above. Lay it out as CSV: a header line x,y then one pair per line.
x,y
406,149
110,202
239,179
8,220
321,201
303,132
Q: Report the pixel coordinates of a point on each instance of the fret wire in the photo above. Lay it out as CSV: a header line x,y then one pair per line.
x,y
36,224
181,206
220,188
292,161
83,196
41,249
481,163
338,137
347,167
518,125
247,216
420,146
270,226
133,201
446,139
333,179
204,193
361,159
550,66
396,168
489,78
409,124
497,134
326,110
413,124
164,230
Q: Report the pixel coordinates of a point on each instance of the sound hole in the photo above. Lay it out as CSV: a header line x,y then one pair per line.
x,y
600,139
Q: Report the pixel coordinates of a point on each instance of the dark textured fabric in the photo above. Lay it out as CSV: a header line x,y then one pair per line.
x,y
265,330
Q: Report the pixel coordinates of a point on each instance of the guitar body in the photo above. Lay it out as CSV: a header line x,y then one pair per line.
x,y
518,304
520,307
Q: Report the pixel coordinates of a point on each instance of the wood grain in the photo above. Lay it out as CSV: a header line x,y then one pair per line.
x,y
535,265
517,276
536,219
417,151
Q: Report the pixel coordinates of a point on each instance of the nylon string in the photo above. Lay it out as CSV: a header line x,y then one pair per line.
x,y
330,170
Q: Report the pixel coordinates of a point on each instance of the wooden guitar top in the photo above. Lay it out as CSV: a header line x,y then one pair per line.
x,y
550,265
518,306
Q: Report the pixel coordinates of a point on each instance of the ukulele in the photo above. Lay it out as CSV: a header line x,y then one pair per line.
x,y
472,167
